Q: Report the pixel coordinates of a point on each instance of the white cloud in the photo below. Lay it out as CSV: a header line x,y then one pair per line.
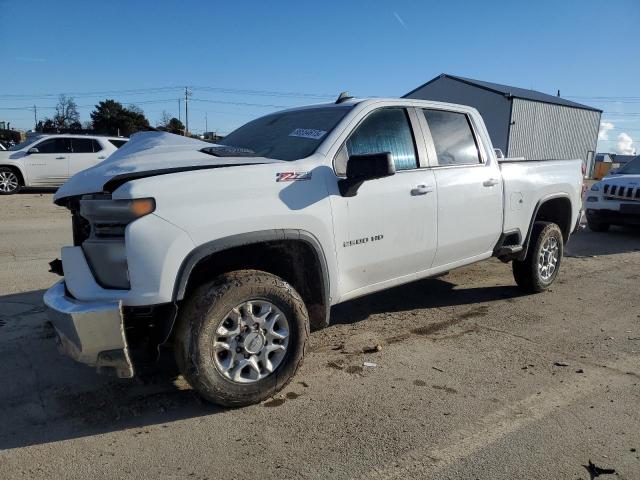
x,y
400,21
625,145
603,134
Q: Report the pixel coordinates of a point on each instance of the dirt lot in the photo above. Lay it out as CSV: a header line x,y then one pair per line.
x,y
474,381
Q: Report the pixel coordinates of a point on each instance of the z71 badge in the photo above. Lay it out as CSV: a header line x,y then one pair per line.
x,y
292,176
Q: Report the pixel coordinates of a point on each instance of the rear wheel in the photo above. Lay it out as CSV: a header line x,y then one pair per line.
x,y
9,181
541,266
241,338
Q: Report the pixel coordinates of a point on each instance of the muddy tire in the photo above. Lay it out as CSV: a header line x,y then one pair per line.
x,y
596,226
541,266
10,181
241,338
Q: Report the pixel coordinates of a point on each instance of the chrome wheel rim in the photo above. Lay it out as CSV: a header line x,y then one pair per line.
x,y
251,341
548,258
8,182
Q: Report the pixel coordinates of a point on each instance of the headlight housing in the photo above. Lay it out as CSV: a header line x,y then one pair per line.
x,y
105,248
595,187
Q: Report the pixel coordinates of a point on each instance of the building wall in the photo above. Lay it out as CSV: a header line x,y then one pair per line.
x,y
543,131
493,107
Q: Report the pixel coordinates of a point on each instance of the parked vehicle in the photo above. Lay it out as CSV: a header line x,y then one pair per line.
x,y
49,160
230,253
615,200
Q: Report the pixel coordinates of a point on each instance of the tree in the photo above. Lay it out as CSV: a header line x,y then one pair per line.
x,y
66,113
111,118
170,124
47,126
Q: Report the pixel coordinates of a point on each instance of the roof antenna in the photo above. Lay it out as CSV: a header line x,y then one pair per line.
x,y
344,96
558,92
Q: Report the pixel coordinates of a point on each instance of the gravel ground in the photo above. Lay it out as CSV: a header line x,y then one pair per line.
x,y
474,381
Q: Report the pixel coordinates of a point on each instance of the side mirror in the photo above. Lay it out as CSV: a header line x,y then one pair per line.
x,y
499,154
33,150
361,168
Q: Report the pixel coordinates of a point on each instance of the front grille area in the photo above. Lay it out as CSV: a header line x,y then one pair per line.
x,y
621,192
81,229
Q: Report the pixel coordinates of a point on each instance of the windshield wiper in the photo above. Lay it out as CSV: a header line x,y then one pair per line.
x,y
227,151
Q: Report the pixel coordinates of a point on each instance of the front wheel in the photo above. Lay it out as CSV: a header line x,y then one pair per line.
x,y
241,338
9,181
541,266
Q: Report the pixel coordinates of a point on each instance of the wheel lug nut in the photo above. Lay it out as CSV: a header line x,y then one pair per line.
x,y
238,350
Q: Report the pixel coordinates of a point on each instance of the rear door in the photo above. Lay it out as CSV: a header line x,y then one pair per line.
x,y
50,164
86,152
469,188
387,230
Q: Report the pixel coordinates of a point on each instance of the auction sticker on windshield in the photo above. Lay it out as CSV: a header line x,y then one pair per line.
x,y
308,133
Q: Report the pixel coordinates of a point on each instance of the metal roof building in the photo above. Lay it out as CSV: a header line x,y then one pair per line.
x,y
522,123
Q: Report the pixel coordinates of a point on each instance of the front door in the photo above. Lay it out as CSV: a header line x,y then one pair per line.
x,y
388,230
50,164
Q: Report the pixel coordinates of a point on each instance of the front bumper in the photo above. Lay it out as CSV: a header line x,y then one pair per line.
x,y
614,217
90,332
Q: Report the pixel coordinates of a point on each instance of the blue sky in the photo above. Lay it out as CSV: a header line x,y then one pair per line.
x,y
249,52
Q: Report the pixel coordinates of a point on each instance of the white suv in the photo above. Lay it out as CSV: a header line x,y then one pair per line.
x,y
49,160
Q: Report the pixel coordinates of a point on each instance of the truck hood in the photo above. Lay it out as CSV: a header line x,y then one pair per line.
x,y
149,154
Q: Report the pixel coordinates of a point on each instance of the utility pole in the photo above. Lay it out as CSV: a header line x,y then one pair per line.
x,y
35,117
187,94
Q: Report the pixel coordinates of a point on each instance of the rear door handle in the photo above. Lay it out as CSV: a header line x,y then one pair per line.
x,y
491,182
421,190
60,158
101,157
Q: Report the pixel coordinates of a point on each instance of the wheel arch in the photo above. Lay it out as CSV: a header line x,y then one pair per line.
x,y
556,208
295,255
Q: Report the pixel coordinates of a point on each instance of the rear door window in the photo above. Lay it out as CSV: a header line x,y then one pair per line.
x,y
82,145
452,137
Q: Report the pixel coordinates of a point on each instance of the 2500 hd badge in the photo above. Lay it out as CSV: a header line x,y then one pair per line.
x,y
360,241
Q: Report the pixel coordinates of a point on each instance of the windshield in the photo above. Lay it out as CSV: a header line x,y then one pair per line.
x,y
631,168
26,143
286,135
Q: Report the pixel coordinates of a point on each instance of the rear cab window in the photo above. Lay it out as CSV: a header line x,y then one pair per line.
x,y
453,138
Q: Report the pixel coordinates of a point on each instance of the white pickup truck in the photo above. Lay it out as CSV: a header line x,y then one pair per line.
x,y
230,253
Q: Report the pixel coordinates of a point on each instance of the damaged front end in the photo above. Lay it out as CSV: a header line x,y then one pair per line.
x,y
90,332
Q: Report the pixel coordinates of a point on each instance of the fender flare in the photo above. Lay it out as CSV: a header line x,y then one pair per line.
x,y
523,254
209,248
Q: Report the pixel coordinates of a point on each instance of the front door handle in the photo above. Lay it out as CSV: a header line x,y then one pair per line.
x,y
101,157
60,158
421,190
491,182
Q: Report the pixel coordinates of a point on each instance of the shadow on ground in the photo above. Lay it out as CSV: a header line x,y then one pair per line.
x,y
587,243
48,397
429,293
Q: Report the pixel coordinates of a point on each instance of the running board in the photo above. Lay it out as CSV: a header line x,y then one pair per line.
x,y
507,250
